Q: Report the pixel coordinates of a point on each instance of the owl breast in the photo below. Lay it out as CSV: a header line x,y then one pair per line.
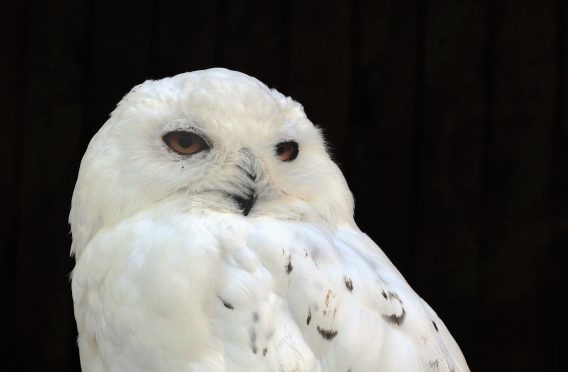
x,y
185,292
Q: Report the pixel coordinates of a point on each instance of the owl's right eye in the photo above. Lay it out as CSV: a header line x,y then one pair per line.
x,y
185,143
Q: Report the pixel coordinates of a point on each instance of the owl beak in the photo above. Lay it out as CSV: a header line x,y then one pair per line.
x,y
248,166
246,202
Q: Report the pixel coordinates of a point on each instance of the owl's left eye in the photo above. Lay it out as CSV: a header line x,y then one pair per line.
x,y
287,151
185,143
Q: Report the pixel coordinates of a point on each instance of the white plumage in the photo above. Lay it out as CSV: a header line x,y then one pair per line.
x,y
213,232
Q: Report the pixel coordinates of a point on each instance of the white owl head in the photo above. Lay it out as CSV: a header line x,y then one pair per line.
x,y
207,141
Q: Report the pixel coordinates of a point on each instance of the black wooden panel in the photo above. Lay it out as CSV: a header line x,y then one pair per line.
x,y
51,116
382,122
449,159
556,294
12,58
119,56
185,39
518,238
255,36
319,65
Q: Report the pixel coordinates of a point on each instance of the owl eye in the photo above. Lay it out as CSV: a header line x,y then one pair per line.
x,y
287,151
185,143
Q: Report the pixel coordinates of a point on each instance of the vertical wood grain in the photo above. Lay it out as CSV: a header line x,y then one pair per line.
x,y
319,65
254,36
120,56
518,231
450,165
185,39
51,121
556,294
12,60
381,124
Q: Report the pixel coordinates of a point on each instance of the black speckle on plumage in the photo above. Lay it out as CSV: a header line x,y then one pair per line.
x,y
309,317
252,335
348,283
226,304
289,266
435,326
384,294
394,318
264,351
328,334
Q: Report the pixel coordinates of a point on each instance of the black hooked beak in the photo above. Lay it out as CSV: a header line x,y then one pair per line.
x,y
246,202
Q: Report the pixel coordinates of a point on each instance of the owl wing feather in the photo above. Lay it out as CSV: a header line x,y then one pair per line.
x,y
173,291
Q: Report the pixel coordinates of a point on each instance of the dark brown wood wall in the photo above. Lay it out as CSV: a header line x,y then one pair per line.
x,y
448,118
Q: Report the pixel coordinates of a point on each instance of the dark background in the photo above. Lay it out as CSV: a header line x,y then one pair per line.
x,y
448,118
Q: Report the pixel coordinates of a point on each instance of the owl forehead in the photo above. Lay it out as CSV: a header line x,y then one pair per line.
x,y
226,107
230,115
229,111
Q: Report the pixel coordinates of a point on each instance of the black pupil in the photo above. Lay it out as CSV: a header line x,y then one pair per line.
x,y
185,140
290,147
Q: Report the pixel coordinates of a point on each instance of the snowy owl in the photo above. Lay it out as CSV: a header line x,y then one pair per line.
x,y
213,232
